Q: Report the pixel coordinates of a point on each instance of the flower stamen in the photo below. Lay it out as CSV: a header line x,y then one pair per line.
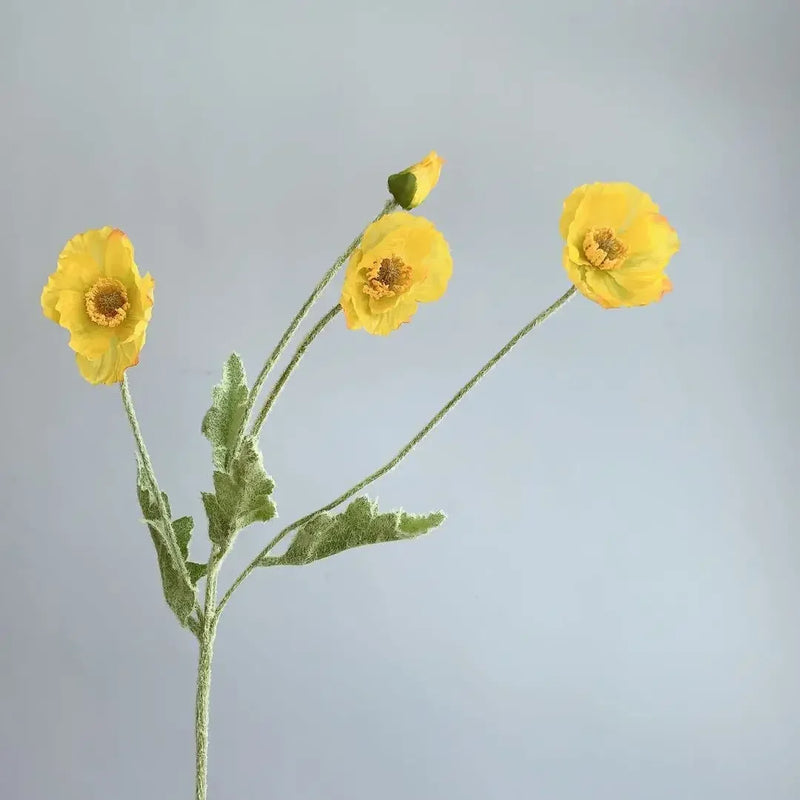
x,y
603,249
388,277
107,302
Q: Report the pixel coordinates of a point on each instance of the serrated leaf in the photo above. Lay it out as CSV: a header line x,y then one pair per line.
x,y
178,592
224,419
241,496
359,524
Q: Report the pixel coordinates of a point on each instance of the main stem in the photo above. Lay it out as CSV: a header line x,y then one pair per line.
x,y
206,639
390,465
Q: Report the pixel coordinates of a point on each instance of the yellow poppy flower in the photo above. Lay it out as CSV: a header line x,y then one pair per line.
x,y
402,260
617,245
97,294
411,186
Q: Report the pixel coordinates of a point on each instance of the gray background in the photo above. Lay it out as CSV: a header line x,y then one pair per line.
x,y
611,610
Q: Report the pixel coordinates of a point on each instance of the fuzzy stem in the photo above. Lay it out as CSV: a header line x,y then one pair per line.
x,y
168,540
206,639
279,384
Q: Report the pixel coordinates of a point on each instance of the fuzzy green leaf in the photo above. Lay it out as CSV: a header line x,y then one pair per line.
x,y
219,528
359,524
241,496
196,571
183,533
223,420
178,592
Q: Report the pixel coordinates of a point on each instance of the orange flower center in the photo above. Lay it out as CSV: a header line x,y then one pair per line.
x,y
603,249
388,277
107,302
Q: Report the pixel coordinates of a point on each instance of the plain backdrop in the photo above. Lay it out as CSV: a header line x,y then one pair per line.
x,y
611,609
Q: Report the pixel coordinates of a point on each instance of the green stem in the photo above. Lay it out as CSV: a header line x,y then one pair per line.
x,y
276,390
390,465
295,324
168,540
206,639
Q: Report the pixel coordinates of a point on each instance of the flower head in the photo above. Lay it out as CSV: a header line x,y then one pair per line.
x,y
617,244
97,294
402,260
411,186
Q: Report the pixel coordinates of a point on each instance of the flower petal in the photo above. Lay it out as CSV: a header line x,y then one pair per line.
x,y
86,338
76,271
383,227
651,233
439,263
118,258
110,367
88,247
383,324
570,207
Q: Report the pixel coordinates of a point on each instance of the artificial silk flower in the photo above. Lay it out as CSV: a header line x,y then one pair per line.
x,y
411,186
402,260
97,294
617,246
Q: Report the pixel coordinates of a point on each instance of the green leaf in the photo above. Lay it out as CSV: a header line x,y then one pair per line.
x,y
178,592
196,571
183,533
359,524
241,496
402,187
224,419
219,528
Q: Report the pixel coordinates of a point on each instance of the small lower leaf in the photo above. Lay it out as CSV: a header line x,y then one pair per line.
x,y
178,591
359,524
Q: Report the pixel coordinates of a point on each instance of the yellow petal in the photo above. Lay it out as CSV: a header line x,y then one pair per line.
x,y
609,293
607,205
570,207
89,246
651,292
76,271
439,263
383,227
427,173
140,297
86,338
350,315
384,324
110,367
577,274
50,295
118,258
651,232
